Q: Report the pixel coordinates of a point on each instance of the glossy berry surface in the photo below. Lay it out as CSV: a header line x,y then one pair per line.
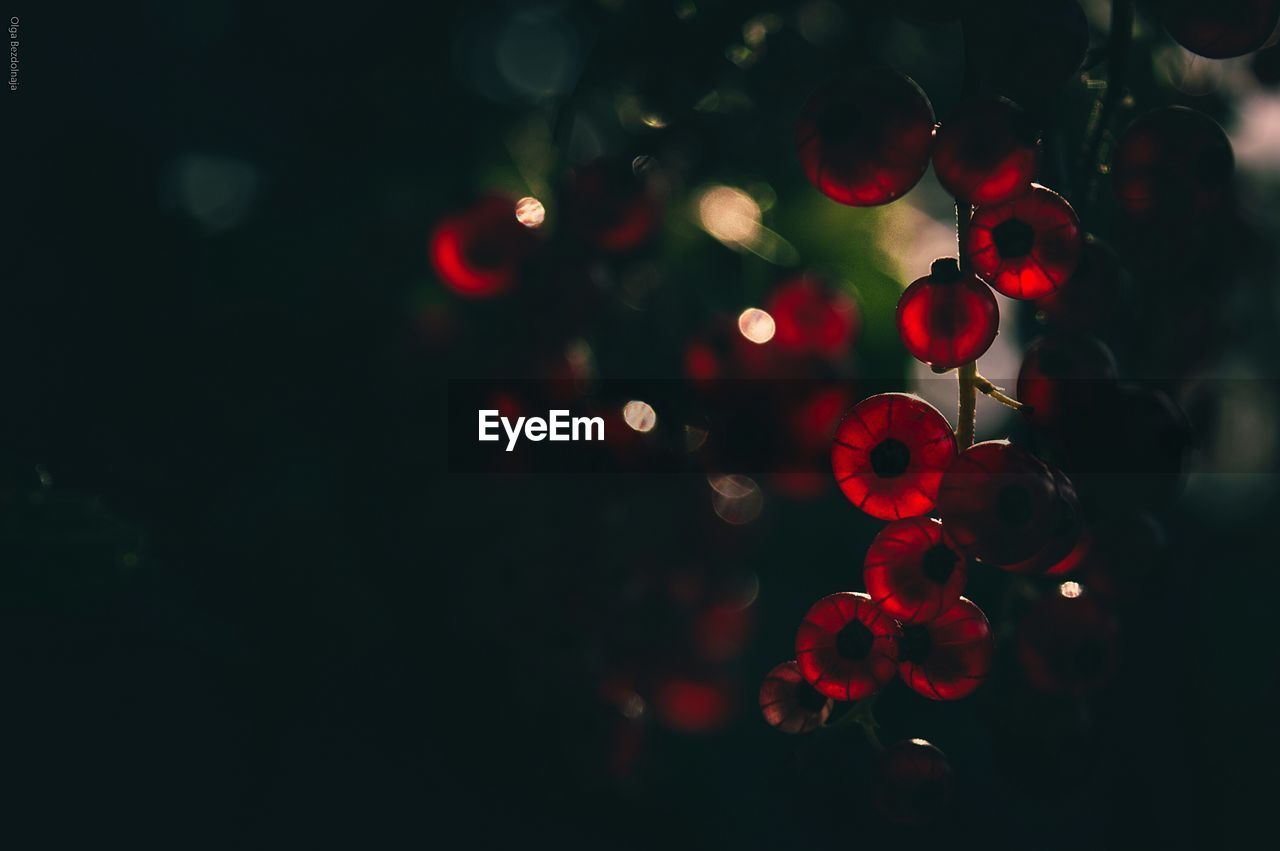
x,y
477,252
847,648
1221,29
890,453
911,572
1027,247
947,318
912,782
812,320
948,657
791,704
1067,642
865,139
609,207
1064,379
998,502
1172,164
986,151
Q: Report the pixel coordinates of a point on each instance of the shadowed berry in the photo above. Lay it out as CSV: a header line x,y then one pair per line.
x,y
912,783
1090,298
865,139
986,151
791,704
948,657
477,252
1066,642
1172,165
811,320
846,647
911,572
1030,49
998,502
947,318
889,455
608,206
1221,29
1027,247
1060,551
1065,380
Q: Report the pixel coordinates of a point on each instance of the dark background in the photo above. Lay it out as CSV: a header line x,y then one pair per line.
x,y
242,601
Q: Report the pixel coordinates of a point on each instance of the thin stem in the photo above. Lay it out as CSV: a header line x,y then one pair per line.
x,y
967,413
988,389
967,418
1119,40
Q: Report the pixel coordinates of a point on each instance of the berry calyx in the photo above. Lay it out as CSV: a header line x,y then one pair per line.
x,y
986,152
912,782
889,454
1027,247
1172,164
847,648
948,657
789,703
865,139
912,572
947,318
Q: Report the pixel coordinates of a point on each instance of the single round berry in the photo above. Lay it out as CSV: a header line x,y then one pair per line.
x,y
811,320
986,151
948,657
1066,642
912,572
865,139
1030,49
847,648
1065,379
889,455
1172,165
477,252
1139,460
791,704
998,502
1221,29
1064,536
947,318
1027,247
1092,296
912,783
608,206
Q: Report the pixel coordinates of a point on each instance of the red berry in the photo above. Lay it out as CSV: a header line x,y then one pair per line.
x,y
608,206
911,572
846,647
949,657
477,252
1090,298
1027,247
811,320
791,704
986,151
912,782
947,318
1172,164
1065,536
998,502
890,453
1221,29
1064,380
865,139
1066,642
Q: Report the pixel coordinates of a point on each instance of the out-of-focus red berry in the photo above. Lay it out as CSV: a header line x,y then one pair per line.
x,y
1064,537
791,704
986,151
1066,642
477,252
998,502
694,705
911,572
811,320
1027,247
1221,29
846,647
889,455
1030,49
947,318
1065,379
948,657
607,205
1172,165
865,139
912,783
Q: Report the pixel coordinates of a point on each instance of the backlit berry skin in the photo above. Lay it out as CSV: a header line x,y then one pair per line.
x,y
998,502
1065,379
791,704
948,657
477,252
912,783
1027,247
947,318
986,152
1067,644
1172,165
865,139
811,320
890,453
847,648
912,572
1222,29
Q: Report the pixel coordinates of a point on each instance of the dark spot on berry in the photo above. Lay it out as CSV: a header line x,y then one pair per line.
x,y
939,563
890,458
1013,238
945,270
1013,504
854,641
809,698
915,644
